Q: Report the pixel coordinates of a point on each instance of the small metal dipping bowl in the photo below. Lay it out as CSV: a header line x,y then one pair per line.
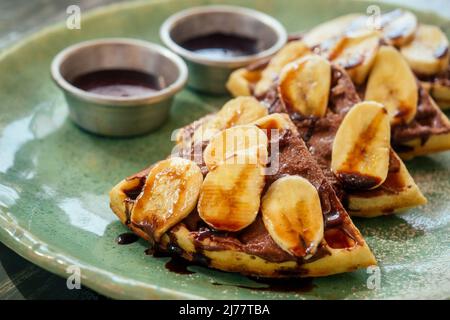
x,y
209,74
111,115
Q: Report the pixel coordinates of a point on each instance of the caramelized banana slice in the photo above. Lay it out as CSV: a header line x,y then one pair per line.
x,y
241,80
230,195
397,26
360,156
279,121
241,110
330,30
238,111
292,214
441,93
246,144
169,195
305,85
393,84
290,52
428,53
356,54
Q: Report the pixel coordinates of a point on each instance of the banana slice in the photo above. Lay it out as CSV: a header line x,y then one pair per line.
x,y
290,52
356,54
399,27
441,94
241,110
428,53
230,195
292,214
392,83
305,85
279,121
330,30
238,111
169,195
360,156
240,81
245,144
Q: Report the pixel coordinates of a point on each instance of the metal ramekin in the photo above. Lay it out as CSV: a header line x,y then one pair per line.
x,y
118,116
210,74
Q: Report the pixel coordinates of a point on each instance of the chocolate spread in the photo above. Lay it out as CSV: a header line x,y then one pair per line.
x,y
427,122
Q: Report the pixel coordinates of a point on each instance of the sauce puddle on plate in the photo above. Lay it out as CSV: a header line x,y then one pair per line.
x,y
220,45
179,265
126,238
176,264
119,83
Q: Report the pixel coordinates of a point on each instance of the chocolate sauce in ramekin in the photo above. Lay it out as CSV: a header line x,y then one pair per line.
x,y
119,82
221,45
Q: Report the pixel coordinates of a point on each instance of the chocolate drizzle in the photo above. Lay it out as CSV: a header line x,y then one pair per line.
x,y
127,238
427,122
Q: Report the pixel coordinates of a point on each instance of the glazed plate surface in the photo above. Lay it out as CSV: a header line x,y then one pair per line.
x,y
55,178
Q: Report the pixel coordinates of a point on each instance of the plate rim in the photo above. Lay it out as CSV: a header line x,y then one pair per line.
x,y
46,256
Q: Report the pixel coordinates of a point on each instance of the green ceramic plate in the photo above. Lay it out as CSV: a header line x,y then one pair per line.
x,y
55,178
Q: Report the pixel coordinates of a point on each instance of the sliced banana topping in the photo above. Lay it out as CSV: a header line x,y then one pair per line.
x,y
290,52
356,54
241,80
230,195
441,93
241,110
330,30
428,53
392,83
360,156
305,85
245,144
169,195
238,111
279,121
397,26
292,214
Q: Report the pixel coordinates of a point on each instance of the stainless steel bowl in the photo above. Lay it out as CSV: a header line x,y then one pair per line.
x,y
209,74
118,116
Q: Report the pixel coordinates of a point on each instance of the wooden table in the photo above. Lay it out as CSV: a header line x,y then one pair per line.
x,y
20,279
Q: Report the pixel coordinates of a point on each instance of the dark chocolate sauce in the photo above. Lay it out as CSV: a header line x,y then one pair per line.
x,y
221,45
176,264
288,285
119,83
127,238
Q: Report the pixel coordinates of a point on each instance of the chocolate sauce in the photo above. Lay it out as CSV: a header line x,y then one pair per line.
x,y
221,45
127,238
119,83
176,264
290,285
